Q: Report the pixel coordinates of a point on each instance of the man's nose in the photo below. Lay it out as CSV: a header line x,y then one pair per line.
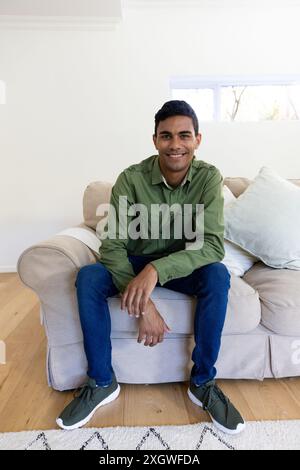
x,y
175,142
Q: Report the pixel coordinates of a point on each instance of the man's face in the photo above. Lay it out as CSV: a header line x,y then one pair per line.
x,y
176,143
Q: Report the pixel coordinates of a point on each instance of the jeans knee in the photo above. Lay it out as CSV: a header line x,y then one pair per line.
x,y
90,273
214,275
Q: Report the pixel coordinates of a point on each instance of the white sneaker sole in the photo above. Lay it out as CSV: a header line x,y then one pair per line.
x,y
240,426
107,400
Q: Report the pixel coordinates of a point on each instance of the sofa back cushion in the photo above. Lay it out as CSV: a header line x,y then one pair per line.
x,y
279,294
98,192
237,185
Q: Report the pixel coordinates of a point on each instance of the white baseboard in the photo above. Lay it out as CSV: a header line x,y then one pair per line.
x,y
8,269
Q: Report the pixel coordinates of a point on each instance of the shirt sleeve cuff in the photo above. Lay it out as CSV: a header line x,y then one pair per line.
x,y
161,267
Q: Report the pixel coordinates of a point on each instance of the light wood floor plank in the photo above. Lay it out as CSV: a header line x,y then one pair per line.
x,y
10,285
26,401
21,347
15,310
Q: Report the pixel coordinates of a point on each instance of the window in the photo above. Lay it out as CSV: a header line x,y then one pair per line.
x,y
240,99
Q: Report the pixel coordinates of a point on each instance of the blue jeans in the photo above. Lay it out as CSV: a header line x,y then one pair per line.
x,y
210,284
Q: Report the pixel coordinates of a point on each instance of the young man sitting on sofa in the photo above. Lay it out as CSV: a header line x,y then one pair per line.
x,y
134,265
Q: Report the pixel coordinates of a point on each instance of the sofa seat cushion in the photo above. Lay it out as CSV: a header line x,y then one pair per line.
x,y
279,294
177,309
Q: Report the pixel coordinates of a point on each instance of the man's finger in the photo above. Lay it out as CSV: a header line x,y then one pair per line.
x,y
129,303
154,341
124,299
148,340
136,305
141,337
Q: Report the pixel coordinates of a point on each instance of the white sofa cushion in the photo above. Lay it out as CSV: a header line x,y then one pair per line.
x,y
264,220
237,260
85,235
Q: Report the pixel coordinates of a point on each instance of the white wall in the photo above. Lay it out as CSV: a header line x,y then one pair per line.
x,y
80,105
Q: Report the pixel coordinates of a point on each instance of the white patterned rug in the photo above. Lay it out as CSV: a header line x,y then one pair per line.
x,y
202,436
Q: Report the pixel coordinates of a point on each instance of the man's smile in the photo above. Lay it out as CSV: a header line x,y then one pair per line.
x,y
176,155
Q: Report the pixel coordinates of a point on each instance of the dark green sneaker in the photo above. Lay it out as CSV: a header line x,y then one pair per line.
x,y
222,412
84,405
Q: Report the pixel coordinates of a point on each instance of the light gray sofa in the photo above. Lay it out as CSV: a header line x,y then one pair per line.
x,y
261,336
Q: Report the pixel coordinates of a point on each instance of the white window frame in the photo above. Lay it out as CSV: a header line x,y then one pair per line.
x,y
215,83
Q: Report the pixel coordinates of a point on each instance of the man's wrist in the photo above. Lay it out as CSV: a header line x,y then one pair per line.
x,y
153,268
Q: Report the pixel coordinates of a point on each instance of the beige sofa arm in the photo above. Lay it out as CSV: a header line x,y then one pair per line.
x,y
50,269
60,253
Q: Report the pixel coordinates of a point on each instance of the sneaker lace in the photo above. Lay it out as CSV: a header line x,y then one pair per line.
x,y
213,394
84,392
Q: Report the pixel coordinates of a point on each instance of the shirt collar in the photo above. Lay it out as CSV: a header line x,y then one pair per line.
x,y
158,177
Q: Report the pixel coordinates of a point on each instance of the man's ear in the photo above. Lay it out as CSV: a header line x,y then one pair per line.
x,y
198,138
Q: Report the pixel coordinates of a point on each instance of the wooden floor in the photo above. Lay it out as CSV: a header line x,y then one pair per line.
x,y
27,403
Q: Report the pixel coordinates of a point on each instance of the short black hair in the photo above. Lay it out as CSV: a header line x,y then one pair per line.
x,y
176,108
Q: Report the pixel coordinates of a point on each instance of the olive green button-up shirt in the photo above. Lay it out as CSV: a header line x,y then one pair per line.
x,y
143,183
